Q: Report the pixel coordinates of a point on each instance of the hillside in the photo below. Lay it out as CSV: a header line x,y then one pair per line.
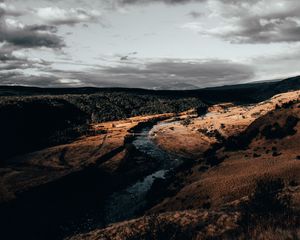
x,y
245,185
137,164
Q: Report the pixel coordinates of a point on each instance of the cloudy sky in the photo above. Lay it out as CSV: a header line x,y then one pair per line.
x,y
156,44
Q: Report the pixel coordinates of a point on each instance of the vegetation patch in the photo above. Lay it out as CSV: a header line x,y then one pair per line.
x,y
276,131
268,212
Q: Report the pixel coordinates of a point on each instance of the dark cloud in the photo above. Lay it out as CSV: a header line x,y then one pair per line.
x,y
44,28
18,78
6,53
255,21
15,36
25,36
264,30
12,64
29,36
158,75
200,74
260,22
126,57
11,67
124,2
166,75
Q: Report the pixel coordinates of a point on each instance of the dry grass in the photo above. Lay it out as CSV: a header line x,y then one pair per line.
x,y
235,176
194,139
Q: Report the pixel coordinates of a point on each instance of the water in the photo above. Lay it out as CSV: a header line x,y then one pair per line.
x,y
125,203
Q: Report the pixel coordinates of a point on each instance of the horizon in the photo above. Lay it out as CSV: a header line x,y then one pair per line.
x,y
147,89
155,45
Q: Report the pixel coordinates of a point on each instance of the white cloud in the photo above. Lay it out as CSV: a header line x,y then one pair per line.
x,y
194,26
12,23
69,81
10,10
58,16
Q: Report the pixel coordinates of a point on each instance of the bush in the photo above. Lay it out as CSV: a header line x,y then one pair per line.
x,y
159,229
267,198
268,213
187,121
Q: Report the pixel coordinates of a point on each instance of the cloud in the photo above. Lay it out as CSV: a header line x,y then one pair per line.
x,y
257,21
58,16
262,22
18,78
195,14
167,74
9,10
6,53
15,36
280,65
43,28
235,21
261,30
126,57
69,81
14,64
201,74
273,30
28,36
127,2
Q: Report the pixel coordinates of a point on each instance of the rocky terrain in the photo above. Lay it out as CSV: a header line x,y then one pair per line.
x,y
120,164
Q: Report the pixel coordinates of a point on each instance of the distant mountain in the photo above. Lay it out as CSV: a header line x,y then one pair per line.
x,y
240,93
288,84
250,92
178,86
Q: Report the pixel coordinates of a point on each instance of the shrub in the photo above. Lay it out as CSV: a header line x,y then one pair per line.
x,y
159,229
187,121
275,131
267,198
268,213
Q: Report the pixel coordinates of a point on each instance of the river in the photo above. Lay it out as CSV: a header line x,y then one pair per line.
x,y
126,203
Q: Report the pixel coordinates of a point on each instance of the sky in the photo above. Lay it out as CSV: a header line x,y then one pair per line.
x,y
153,44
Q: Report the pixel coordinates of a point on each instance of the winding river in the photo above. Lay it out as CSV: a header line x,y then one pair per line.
x,y
126,203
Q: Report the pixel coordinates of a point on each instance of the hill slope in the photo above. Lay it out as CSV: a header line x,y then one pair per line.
x,y
246,185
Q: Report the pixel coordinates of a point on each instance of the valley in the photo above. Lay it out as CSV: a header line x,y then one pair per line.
x,y
210,169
